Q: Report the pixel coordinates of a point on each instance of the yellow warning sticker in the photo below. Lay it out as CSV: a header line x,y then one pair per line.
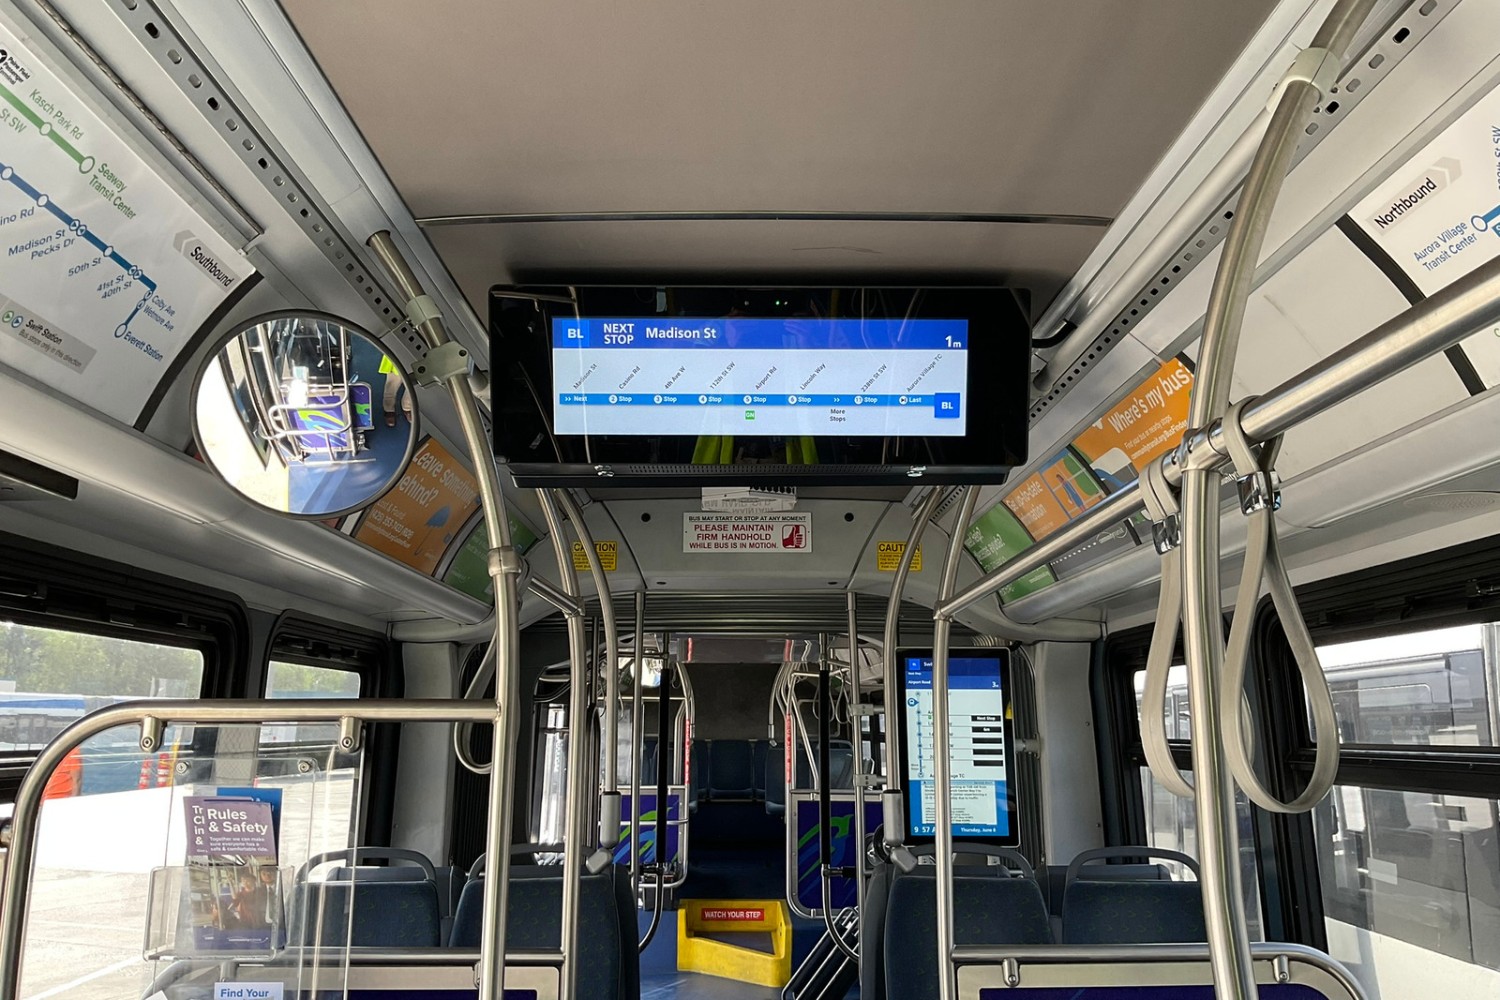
x,y
609,555
888,557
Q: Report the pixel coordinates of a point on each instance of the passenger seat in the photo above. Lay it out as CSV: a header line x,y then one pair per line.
x,y
608,959
731,771
1113,904
989,909
367,906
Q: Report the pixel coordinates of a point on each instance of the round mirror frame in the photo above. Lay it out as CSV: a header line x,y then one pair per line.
x,y
220,344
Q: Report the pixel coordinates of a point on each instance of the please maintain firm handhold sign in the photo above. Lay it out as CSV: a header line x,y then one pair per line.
x,y
770,534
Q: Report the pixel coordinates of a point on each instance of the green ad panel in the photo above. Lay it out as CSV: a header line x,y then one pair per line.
x,y
470,569
997,536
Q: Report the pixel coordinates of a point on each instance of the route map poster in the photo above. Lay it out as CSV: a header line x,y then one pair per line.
x,y
417,521
107,271
1438,217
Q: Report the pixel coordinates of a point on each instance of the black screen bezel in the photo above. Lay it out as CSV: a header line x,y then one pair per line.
x,y
1012,804
996,428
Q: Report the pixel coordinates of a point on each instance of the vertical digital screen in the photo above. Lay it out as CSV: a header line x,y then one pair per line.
x,y
979,747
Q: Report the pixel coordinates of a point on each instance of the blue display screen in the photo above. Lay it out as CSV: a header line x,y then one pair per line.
x,y
799,376
1268,991
979,748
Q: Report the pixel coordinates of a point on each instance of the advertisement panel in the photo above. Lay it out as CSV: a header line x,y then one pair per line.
x,y
1049,499
997,536
1140,428
416,522
469,572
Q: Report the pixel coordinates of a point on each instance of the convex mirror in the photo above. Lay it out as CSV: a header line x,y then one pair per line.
x,y
304,414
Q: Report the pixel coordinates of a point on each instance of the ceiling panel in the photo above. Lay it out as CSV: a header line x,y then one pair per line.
x,y
1020,256
844,105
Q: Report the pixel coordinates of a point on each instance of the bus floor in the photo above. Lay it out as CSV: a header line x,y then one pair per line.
x,y
736,851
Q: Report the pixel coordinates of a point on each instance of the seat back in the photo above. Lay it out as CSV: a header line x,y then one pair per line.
x,y
1130,904
987,910
759,756
608,962
697,778
731,771
872,933
775,770
364,913
840,764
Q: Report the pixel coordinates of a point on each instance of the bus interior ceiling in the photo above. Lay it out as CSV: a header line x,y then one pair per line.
x,y
1072,155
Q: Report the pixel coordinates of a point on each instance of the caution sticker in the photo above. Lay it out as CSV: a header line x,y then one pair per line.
x,y
888,557
609,555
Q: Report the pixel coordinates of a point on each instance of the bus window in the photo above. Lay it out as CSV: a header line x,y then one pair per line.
x,y
1411,876
51,677
1430,688
1172,822
304,680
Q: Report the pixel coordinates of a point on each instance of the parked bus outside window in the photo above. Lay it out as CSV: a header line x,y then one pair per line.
x,y
1407,870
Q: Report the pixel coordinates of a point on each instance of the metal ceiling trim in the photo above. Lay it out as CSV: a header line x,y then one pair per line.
x,y
787,613
983,218
301,68
1381,54
161,31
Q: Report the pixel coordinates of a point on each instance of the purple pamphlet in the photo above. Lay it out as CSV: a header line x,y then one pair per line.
x,y
234,884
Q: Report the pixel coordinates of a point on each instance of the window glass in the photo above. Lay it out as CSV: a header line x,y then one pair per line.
x,y
1174,707
116,902
1431,688
1411,890
50,678
1172,823
303,680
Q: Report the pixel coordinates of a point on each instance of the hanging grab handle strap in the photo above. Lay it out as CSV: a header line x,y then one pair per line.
x,y
1161,508
1259,499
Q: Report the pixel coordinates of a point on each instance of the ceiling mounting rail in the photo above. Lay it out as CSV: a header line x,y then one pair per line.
x,y
1387,50
179,54
121,96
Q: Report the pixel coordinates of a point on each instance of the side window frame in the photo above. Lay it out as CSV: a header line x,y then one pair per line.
x,y
1442,589
303,639
47,587
1121,754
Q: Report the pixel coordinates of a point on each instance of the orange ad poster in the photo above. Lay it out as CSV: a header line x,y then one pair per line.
x,y
1046,500
417,521
1143,426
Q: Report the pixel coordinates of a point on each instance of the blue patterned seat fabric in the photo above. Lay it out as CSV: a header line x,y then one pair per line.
x,y
608,962
987,911
386,914
1132,912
